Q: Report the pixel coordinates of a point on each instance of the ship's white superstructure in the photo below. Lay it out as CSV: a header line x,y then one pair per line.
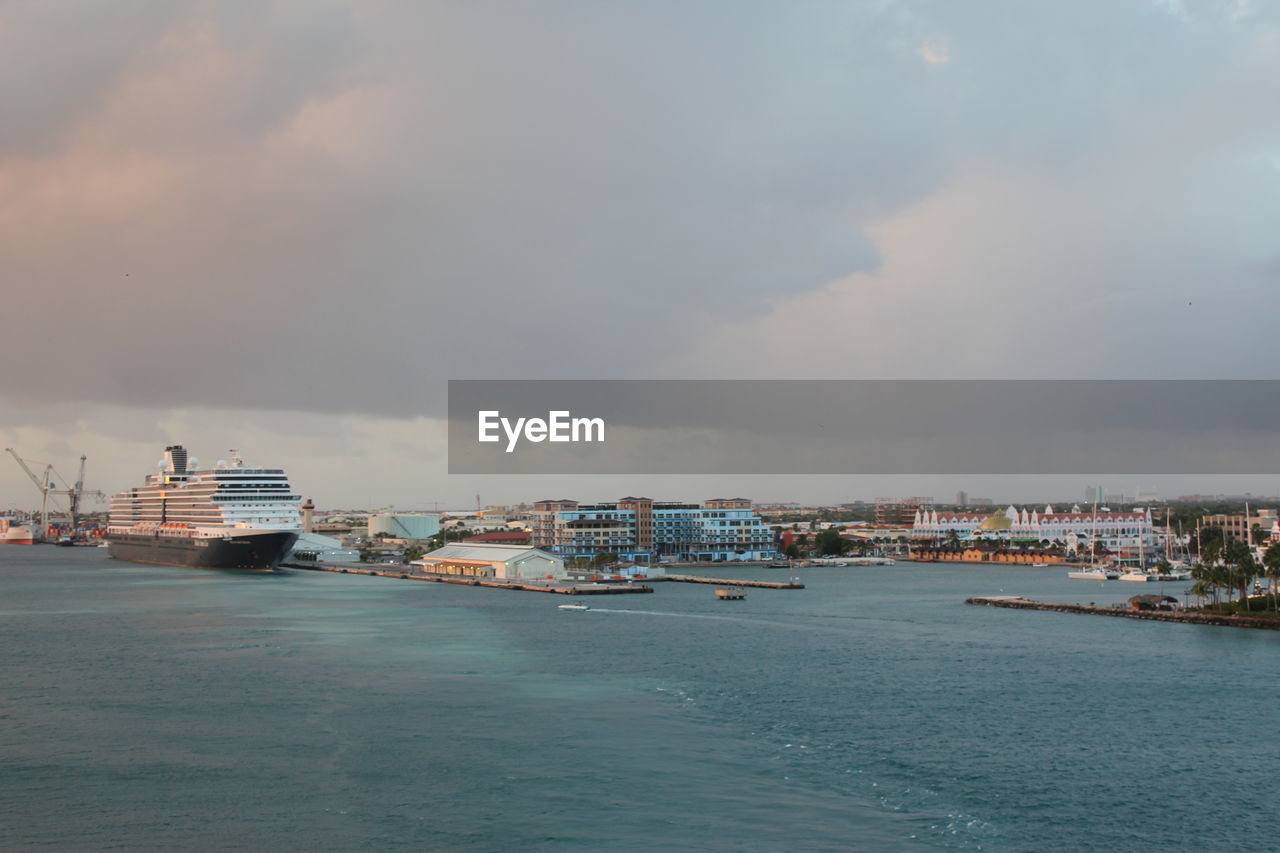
x,y
229,495
183,507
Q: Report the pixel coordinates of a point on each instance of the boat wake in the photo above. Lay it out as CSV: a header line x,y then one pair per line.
x,y
746,620
672,613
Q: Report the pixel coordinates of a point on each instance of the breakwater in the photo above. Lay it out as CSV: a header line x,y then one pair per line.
x,y
563,588
1186,616
728,582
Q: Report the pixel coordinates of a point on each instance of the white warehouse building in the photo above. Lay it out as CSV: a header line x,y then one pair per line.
x,y
405,525
497,562
314,548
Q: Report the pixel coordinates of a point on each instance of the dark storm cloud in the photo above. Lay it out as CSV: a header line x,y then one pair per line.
x,y
334,207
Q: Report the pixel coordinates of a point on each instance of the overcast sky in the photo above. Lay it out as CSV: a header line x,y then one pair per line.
x,y
282,226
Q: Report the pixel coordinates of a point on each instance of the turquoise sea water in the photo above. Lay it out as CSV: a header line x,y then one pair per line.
x,y
146,707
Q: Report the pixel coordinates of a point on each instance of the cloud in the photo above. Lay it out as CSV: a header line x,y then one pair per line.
x,y
986,280
335,459
935,52
332,207
1144,258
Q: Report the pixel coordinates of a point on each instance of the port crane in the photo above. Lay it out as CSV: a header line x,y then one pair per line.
x,y
42,484
77,492
45,484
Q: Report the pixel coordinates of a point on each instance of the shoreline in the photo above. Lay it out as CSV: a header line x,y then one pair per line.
x,y
564,588
1184,616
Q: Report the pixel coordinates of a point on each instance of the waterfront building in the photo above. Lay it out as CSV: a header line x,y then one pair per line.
x,y
1114,530
987,552
495,562
793,510
314,548
643,530
501,537
893,512
405,525
1256,527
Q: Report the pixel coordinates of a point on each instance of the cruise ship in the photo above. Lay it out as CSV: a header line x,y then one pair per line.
x,y
231,516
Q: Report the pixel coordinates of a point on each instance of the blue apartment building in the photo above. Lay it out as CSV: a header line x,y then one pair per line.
x,y
643,530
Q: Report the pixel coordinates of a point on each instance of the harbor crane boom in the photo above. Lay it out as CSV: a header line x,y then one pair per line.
x,y
42,485
73,494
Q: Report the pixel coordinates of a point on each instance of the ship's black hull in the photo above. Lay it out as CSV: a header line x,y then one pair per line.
x,y
241,551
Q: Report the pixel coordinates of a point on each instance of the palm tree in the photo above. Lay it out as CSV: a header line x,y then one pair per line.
x,y
1210,553
1221,574
1209,570
1271,560
1201,589
1211,577
1244,569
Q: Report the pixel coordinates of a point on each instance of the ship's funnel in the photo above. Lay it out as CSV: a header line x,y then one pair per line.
x,y
175,458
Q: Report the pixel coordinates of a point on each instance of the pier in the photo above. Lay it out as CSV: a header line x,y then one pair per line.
x,y
727,582
1185,616
557,587
563,588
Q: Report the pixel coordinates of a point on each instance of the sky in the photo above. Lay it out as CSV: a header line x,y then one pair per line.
x,y
281,227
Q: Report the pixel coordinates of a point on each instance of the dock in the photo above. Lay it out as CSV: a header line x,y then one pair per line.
x,y
563,588
1184,616
727,582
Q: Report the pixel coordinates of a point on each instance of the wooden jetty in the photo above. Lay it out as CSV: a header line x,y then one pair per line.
x,y
1191,617
727,582
557,589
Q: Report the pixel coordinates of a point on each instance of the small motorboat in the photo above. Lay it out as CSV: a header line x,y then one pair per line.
x,y
731,593
1094,573
577,605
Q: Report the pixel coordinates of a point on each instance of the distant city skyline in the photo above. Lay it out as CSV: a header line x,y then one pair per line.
x,y
398,474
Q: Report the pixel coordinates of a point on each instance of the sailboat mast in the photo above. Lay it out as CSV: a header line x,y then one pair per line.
x,y
1142,541
1093,536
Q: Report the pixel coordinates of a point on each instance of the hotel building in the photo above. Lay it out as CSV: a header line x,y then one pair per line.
x,y
643,530
1258,527
1114,530
895,512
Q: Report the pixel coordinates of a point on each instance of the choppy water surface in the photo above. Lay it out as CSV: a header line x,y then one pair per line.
x,y
146,707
